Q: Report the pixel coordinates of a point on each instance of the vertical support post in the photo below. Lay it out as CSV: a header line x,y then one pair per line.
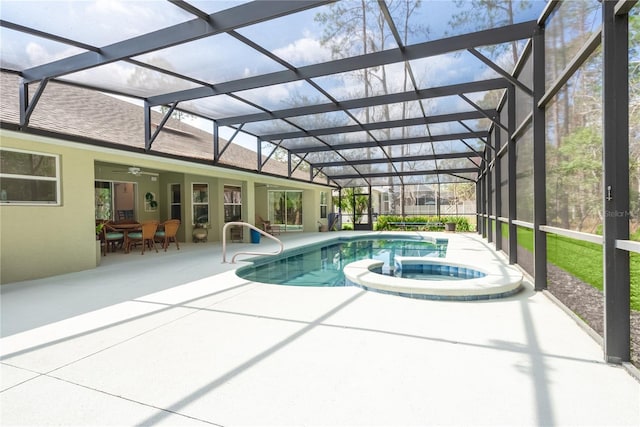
x,y
24,103
497,170
259,154
615,151
340,207
402,200
488,198
511,159
369,209
483,205
479,217
539,164
28,105
147,126
354,198
289,170
216,142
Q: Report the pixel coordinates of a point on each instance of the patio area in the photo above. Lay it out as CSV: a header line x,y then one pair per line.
x,y
177,338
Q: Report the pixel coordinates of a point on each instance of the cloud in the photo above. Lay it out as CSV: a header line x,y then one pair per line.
x,y
39,54
113,75
111,6
126,19
303,51
441,70
278,96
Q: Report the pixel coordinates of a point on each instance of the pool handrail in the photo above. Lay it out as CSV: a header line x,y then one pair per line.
x,y
252,227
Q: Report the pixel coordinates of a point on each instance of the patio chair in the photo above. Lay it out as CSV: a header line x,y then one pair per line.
x,y
124,215
168,234
110,237
264,224
146,236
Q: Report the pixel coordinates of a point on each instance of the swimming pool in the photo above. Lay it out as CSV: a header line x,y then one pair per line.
x,y
322,265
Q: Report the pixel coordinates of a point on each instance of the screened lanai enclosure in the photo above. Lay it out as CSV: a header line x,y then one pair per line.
x,y
522,115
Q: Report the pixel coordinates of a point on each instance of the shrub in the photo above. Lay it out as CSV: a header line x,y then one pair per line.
x,y
383,222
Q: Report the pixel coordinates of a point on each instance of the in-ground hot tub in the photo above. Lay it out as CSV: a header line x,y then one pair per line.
x,y
435,278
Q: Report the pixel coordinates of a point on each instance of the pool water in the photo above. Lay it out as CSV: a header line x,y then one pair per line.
x,y
425,270
423,276
321,265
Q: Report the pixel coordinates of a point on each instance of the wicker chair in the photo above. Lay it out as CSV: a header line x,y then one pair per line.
x,y
110,237
146,236
168,235
264,224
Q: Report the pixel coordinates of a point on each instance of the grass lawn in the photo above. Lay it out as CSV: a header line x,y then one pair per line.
x,y
582,259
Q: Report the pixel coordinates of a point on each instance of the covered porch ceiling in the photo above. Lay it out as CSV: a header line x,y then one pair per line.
x,y
365,93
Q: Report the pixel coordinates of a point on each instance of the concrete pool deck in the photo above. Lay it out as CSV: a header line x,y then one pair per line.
x,y
177,339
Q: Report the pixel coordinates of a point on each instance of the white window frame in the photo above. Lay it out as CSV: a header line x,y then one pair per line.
x,y
55,179
194,203
172,204
323,204
237,188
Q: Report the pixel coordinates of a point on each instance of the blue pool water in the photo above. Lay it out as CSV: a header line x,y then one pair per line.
x,y
321,265
430,271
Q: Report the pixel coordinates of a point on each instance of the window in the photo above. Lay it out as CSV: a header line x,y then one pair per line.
x,y
29,178
323,204
200,194
386,203
175,206
232,203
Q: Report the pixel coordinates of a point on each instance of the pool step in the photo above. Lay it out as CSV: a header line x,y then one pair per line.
x,y
317,278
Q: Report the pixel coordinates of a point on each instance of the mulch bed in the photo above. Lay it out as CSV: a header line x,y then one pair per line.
x,y
588,303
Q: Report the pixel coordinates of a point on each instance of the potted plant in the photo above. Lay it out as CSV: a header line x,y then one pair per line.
x,y
99,228
200,232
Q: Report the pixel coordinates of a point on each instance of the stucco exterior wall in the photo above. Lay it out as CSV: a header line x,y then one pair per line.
x,y
262,201
41,241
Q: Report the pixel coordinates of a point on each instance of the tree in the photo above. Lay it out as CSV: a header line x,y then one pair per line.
x,y
581,152
634,118
177,114
576,106
153,80
457,193
489,14
354,28
354,203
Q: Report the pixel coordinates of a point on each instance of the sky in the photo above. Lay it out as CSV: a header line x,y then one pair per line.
x,y
215,59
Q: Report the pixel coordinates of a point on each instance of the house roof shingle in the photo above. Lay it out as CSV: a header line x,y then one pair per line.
x,y
89,115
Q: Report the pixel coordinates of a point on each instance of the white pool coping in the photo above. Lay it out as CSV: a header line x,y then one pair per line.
x,y
501,279
498,282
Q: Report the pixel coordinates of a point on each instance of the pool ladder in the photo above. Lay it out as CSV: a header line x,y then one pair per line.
x,y
252,227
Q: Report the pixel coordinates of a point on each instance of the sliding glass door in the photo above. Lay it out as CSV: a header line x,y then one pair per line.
x,y
285,209
115,200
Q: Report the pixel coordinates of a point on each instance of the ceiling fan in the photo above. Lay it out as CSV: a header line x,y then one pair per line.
x,y
136,171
